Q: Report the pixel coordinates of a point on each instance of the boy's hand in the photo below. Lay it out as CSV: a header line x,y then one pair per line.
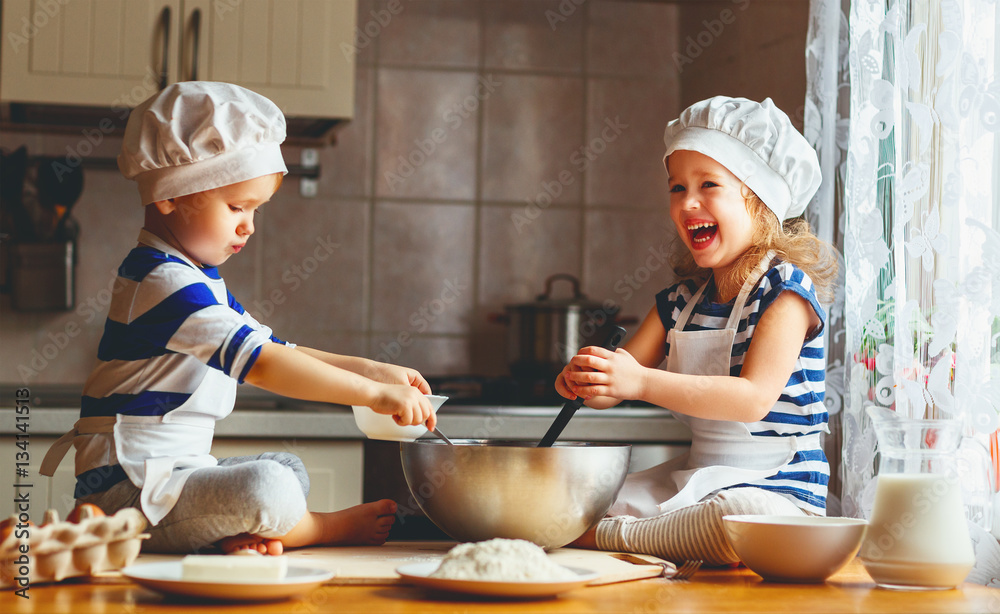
x,y
394,374
406,404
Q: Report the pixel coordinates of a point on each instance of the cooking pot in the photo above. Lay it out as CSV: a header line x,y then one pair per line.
x,y
543,335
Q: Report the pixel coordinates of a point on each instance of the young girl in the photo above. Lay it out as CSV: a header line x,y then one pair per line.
x,y
742,339
206,157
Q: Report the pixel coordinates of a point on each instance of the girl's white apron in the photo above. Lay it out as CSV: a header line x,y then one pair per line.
x,y
723,453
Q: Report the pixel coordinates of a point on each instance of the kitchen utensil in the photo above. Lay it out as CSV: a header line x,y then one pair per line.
x,y
543,335
685,571
569,408
799,549
59,187
918,536
442,436
479,489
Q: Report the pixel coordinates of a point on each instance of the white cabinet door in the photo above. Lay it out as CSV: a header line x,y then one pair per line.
x,y
43,492
116,53
106,53
288,50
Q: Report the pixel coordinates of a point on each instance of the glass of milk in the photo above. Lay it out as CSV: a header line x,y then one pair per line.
x,y
917,536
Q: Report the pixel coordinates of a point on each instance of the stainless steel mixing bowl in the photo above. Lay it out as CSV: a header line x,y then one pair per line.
x,y
480,489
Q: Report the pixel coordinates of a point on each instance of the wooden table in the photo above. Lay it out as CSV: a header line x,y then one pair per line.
x,y
710,590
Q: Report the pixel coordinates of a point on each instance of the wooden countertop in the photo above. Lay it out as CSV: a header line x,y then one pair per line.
x,y
710,590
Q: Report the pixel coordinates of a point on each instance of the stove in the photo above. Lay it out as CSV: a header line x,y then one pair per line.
x,y
463,390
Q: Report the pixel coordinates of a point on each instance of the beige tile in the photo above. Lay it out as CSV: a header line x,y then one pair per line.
x,y
426,127
517,253
628,256
429,33
632,38
422,268
624,147
64,347
346,166
313,275
760,52
430,355
531,139
532,35
366,33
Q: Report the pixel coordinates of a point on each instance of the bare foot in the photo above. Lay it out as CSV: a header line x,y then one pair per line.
x,y
247,541
367,524
587,540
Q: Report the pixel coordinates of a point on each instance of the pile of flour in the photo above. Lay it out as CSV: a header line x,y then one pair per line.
x,y
501,560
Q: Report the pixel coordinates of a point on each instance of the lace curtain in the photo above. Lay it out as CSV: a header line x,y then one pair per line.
x,y
904,109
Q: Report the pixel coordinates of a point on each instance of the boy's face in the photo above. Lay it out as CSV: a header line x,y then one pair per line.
x,y
709,210
209,227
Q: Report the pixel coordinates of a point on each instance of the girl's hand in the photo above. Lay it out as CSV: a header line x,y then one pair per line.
x,y
394,374
596,372
563,384
406,404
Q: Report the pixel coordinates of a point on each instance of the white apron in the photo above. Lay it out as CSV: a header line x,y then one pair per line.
x,y
158,453
723,453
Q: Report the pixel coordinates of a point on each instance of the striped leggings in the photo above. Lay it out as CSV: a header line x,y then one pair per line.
x,y
694,532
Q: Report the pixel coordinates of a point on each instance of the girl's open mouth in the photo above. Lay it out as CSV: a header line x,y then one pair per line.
x,y
702,232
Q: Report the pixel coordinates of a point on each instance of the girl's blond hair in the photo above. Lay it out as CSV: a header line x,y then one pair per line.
x,y
792,241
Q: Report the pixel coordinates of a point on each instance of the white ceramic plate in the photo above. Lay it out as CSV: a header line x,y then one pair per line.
x,y
420,574
166,578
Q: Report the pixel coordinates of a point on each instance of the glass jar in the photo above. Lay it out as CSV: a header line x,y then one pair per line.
x,y
917,537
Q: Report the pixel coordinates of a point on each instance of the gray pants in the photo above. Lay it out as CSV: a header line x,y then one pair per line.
x,y
263,494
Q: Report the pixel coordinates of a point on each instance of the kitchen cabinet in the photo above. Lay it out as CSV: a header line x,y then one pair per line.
x,y
116,53
334,466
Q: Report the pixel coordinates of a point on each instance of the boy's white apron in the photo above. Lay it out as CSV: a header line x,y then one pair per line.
x,y
179,442
723,453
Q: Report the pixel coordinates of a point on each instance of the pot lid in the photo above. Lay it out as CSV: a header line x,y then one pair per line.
x,y
578,300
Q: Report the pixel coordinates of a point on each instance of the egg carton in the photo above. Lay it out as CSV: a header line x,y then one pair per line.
x,y
59,550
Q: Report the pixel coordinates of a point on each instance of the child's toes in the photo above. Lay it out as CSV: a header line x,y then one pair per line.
x,y
384,507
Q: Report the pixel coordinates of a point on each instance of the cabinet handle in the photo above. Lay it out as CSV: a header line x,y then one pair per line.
x,y
165,51
196,39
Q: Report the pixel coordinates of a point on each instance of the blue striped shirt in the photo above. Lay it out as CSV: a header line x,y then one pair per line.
x,y
799,410
169,321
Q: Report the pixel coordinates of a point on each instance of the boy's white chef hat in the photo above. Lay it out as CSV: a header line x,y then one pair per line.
x,y
757,143
199,135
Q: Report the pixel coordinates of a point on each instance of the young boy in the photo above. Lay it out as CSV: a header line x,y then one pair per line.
x,y
206,156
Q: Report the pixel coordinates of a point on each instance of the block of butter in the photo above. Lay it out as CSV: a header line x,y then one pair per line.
x,y
228,568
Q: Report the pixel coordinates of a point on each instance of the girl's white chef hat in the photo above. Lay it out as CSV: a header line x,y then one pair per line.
x,y
199,135
757,143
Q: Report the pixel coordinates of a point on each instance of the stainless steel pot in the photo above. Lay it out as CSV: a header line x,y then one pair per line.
x,y
543,335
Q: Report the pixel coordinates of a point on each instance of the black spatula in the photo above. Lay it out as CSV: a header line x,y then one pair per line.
x,y
569,408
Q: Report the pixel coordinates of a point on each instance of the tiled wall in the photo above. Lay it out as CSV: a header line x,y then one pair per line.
x,y
434,207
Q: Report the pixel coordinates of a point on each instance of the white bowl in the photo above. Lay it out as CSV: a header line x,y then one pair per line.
x,y
382,426
795,548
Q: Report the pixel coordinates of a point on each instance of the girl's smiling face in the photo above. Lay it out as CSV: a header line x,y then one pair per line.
x,y
708,207
208,227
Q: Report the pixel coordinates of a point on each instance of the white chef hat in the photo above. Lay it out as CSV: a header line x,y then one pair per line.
x,y
199,135
757,143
